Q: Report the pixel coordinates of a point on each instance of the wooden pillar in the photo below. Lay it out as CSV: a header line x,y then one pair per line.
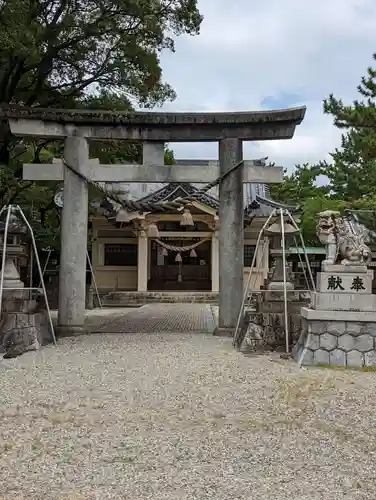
x,y
142,262
215,262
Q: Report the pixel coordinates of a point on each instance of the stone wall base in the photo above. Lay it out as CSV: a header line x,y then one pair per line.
x,y
342,343
223,331
70,331
271,328
268,320
21,332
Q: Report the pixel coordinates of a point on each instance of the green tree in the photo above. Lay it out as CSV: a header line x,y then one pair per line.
x,y
81,54
360,115
299,185
115,151
53,53
299,188
309,210
352,174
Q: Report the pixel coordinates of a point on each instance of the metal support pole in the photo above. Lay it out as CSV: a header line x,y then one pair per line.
x,y
46,264
300,361
301,263
94,280
3,259
91,271
236,338
283,244
40,271
303,353
31,271
245,296
304,249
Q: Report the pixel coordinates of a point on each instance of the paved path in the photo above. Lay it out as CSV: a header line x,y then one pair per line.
x,y
159,318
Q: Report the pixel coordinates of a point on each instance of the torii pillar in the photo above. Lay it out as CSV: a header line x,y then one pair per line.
x,y
74,225
231,228
229,129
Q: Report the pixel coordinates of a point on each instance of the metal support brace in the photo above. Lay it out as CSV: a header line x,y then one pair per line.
x,y
239,334
12,209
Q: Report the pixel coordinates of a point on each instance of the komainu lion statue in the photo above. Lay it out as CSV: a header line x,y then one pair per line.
x,y
342,242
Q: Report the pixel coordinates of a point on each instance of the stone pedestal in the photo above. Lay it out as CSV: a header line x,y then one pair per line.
x,y
24,331
270,316
24,322
339,327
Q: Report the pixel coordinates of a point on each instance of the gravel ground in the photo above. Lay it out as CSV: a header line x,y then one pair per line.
x,y
174,416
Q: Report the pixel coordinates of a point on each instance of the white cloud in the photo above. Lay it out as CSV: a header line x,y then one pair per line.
x,y
249,51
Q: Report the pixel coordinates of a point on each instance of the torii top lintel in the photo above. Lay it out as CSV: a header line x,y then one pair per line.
x,y
153,126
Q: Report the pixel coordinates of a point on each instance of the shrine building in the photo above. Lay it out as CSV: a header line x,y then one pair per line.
x,y
173,251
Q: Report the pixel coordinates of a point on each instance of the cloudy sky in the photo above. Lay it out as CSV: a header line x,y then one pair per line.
x,y
254,55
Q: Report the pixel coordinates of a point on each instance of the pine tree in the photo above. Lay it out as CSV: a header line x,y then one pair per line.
x,y
353,172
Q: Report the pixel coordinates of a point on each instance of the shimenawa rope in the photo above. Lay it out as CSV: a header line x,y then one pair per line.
x,y
163,206
174,248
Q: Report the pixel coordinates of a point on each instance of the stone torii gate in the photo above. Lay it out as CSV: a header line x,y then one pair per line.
x,y
153,130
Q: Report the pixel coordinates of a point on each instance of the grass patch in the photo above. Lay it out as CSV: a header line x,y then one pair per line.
x,y
124,459
368,369
7,446
36,445
347,368
61,418
300,392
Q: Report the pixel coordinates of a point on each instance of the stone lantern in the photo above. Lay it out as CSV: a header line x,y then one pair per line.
x,y
15,249
274,232
23,325
269,317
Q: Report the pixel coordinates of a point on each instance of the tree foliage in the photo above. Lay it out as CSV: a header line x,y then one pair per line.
x,y
88,54
351,174
300,189
360,115
53,51
299,185
64,53
309,210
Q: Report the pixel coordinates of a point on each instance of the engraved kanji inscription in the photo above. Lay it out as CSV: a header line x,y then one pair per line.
x,y
334,283
357,284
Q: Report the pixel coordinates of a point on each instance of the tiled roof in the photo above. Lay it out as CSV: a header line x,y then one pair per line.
x,y
255,205
257,202
266,206
256,199
175,189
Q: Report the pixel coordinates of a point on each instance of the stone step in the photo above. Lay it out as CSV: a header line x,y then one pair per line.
x,y
127,299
